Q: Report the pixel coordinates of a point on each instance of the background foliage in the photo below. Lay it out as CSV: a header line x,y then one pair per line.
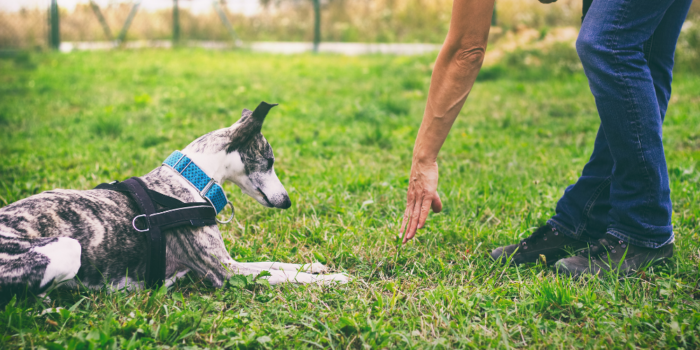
x,y
290,20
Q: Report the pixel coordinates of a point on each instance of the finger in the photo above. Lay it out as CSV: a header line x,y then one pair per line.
x,y
437,203
424,211
404,222
407,212
407,222
413,223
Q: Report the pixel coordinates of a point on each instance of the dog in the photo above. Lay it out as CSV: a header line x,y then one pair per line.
x,y
87,238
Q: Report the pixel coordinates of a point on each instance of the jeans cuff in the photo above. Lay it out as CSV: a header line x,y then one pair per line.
x,y
619,235
567,231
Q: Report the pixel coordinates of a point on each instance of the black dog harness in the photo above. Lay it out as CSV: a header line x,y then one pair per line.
x,y
170,212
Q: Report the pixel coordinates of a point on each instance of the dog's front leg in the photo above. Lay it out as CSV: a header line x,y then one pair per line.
x,y
286,276
204,252
271,265
282,276
285,273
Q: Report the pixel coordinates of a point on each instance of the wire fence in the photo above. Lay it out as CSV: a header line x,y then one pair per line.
x,y
117,23
378,21
225,23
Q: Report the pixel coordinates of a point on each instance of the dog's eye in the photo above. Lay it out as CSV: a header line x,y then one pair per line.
x,y
270,162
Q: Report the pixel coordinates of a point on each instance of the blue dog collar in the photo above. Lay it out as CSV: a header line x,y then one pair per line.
x,y
207,187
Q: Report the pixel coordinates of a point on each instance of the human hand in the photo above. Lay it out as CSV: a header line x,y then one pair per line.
x,y
422,195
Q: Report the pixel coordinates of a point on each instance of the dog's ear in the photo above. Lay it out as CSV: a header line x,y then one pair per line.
x,y
261,111
254,120
249,125
244,115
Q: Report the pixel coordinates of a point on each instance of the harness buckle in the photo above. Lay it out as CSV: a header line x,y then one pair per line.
x,y
233,213
133,223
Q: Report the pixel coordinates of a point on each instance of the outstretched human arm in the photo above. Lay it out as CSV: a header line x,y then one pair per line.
x,y
455,71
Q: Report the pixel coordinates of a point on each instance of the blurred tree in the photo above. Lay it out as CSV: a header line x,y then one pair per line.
x,y
494,19
176,23
102,20
317,17
317,24
219,7
54,23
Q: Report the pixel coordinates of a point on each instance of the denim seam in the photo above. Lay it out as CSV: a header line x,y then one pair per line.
x,y
637,242
567,232
636,123
591,202
562,228
651,46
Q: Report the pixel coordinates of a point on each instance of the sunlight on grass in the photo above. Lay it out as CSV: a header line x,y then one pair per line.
x,y
342,136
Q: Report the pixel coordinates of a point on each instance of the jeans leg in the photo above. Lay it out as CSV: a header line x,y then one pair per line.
x,y
582,212
611,47
660,48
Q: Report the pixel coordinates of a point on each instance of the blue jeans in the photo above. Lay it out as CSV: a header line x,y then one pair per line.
x,y
627,49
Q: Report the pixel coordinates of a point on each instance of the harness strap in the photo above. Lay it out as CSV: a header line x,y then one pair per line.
x,y
177,213
194,216
155,262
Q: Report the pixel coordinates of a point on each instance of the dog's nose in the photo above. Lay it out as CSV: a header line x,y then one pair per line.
x,y
285,204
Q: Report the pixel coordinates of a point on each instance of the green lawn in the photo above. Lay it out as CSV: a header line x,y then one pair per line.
x,y
342,137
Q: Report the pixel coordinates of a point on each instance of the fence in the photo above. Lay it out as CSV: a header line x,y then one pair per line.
x,y
275,20
184,21
115,22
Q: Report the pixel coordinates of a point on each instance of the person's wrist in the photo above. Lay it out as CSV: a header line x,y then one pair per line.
x,y
423,159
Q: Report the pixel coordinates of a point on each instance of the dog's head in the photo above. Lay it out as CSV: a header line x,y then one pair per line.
x,y
242,155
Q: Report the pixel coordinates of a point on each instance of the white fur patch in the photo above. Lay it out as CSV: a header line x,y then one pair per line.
x,y
272,187
279,276
287,273
64,260
269,265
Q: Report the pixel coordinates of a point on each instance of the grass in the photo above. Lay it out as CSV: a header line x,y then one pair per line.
x,y
343,137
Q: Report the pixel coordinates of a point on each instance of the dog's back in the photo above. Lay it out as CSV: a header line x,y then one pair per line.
x,y
99,220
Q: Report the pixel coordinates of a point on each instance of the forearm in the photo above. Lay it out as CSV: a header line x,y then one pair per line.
x,y
450,85
455,71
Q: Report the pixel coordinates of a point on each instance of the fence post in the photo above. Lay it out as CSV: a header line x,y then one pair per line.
x,y
317,24
176,23
494,19
54,30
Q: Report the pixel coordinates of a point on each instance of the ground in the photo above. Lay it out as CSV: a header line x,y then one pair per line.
x,y
342,136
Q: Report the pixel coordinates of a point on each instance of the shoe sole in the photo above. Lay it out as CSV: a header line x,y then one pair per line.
x,y
576,275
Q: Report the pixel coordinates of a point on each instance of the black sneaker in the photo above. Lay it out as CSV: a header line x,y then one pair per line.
x,y
607,255
546,241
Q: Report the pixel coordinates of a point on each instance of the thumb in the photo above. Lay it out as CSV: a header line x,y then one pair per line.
x,y
437,204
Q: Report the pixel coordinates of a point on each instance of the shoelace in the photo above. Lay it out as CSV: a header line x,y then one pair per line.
x,y
541,233
602,247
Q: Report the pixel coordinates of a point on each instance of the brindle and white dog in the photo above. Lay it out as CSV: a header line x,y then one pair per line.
x,y
86,237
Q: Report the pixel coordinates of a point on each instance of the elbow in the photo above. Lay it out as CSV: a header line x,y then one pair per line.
x,y
469,57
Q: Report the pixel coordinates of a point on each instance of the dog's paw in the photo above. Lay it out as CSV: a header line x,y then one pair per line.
x,y
314,268
341,278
